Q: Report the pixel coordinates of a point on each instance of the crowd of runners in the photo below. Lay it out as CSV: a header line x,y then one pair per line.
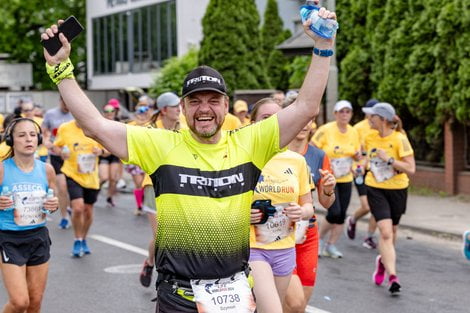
x,y
229,198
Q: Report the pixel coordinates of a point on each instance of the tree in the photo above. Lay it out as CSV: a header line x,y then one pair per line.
x,y
22,24
173,72
272,34
231,43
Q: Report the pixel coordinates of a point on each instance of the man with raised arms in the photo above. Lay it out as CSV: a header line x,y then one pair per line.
x,y
202,244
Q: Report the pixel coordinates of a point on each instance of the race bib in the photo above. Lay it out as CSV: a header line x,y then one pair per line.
x,y
231,295
301,231
277,227
28,205
381,170
86,163
341,166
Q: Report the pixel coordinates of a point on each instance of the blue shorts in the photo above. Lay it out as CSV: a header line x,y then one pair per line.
x,y
282,261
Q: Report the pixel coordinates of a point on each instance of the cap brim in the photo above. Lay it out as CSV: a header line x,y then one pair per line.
x,y
203,89
368,110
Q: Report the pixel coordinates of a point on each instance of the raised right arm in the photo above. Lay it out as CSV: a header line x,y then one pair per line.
x,y
112,135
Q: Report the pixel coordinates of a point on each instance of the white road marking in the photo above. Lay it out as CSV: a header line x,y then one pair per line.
x,y
128,247
311,309
119,244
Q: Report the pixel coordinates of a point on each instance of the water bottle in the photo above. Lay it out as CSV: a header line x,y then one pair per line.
x,y
325,28
50,194
7,193
359,178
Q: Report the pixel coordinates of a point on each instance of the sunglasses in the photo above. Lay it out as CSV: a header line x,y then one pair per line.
x,y
142,110
109,111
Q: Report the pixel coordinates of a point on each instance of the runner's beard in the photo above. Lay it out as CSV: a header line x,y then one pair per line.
x,y
208,133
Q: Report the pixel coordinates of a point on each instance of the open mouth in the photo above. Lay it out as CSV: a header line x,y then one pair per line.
x,y
204,118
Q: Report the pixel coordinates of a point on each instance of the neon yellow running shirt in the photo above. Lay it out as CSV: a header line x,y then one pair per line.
x,y
203,194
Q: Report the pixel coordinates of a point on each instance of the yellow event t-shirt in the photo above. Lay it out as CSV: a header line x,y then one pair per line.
x,y
363,129
284,179
231,122
339,147
397,146
82,165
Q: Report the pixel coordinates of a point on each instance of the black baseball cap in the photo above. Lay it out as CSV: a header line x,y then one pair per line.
x,y
203,78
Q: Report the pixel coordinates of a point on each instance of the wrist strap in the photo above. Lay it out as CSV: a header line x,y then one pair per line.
x,y
61,71
323,53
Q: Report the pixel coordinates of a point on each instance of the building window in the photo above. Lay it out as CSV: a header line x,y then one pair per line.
x,y
137,40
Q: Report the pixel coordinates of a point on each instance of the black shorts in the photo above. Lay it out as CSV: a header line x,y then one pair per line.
x,y
56,162
337,212
361,189
109,159
30,247
76,192
387,203
168,301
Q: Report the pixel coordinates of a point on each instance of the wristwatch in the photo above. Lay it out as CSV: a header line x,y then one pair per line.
x,y
390,161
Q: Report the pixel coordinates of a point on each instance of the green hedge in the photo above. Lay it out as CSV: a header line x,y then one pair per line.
x,y
413,54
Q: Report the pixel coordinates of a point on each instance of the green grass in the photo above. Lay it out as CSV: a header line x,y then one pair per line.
x,y
424,191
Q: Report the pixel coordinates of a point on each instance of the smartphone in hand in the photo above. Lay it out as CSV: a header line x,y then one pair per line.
x,y
70,28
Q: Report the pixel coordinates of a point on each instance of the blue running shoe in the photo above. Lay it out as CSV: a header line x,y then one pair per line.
x,y
64,223
85,248
77,249
466,244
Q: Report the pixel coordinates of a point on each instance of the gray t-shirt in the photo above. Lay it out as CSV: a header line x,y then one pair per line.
x,y
53,119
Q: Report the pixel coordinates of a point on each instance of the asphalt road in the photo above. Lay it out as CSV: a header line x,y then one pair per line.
x,y
434,276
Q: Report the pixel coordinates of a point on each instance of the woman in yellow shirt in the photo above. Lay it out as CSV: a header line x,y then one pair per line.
x,y
340,142
285,182
80,154
391,160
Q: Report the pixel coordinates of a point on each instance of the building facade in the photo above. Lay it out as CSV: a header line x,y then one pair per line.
x,y
128,40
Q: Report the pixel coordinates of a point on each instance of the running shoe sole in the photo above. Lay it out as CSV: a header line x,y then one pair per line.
x,y
394,288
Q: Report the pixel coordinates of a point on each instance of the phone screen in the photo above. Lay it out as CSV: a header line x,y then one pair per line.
x,y
71,28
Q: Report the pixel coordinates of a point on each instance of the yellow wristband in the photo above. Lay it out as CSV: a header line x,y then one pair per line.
x,y
61,71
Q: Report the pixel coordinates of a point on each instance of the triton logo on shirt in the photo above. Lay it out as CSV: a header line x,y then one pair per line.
x,y
211,182
171,179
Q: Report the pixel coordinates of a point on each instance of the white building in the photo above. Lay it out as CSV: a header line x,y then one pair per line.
x,y
127,40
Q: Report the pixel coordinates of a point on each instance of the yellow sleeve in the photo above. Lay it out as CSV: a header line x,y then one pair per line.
x,y
319,139
59,139
405,148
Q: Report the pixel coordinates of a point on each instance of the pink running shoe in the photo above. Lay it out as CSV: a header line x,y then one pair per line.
x,y
379,274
